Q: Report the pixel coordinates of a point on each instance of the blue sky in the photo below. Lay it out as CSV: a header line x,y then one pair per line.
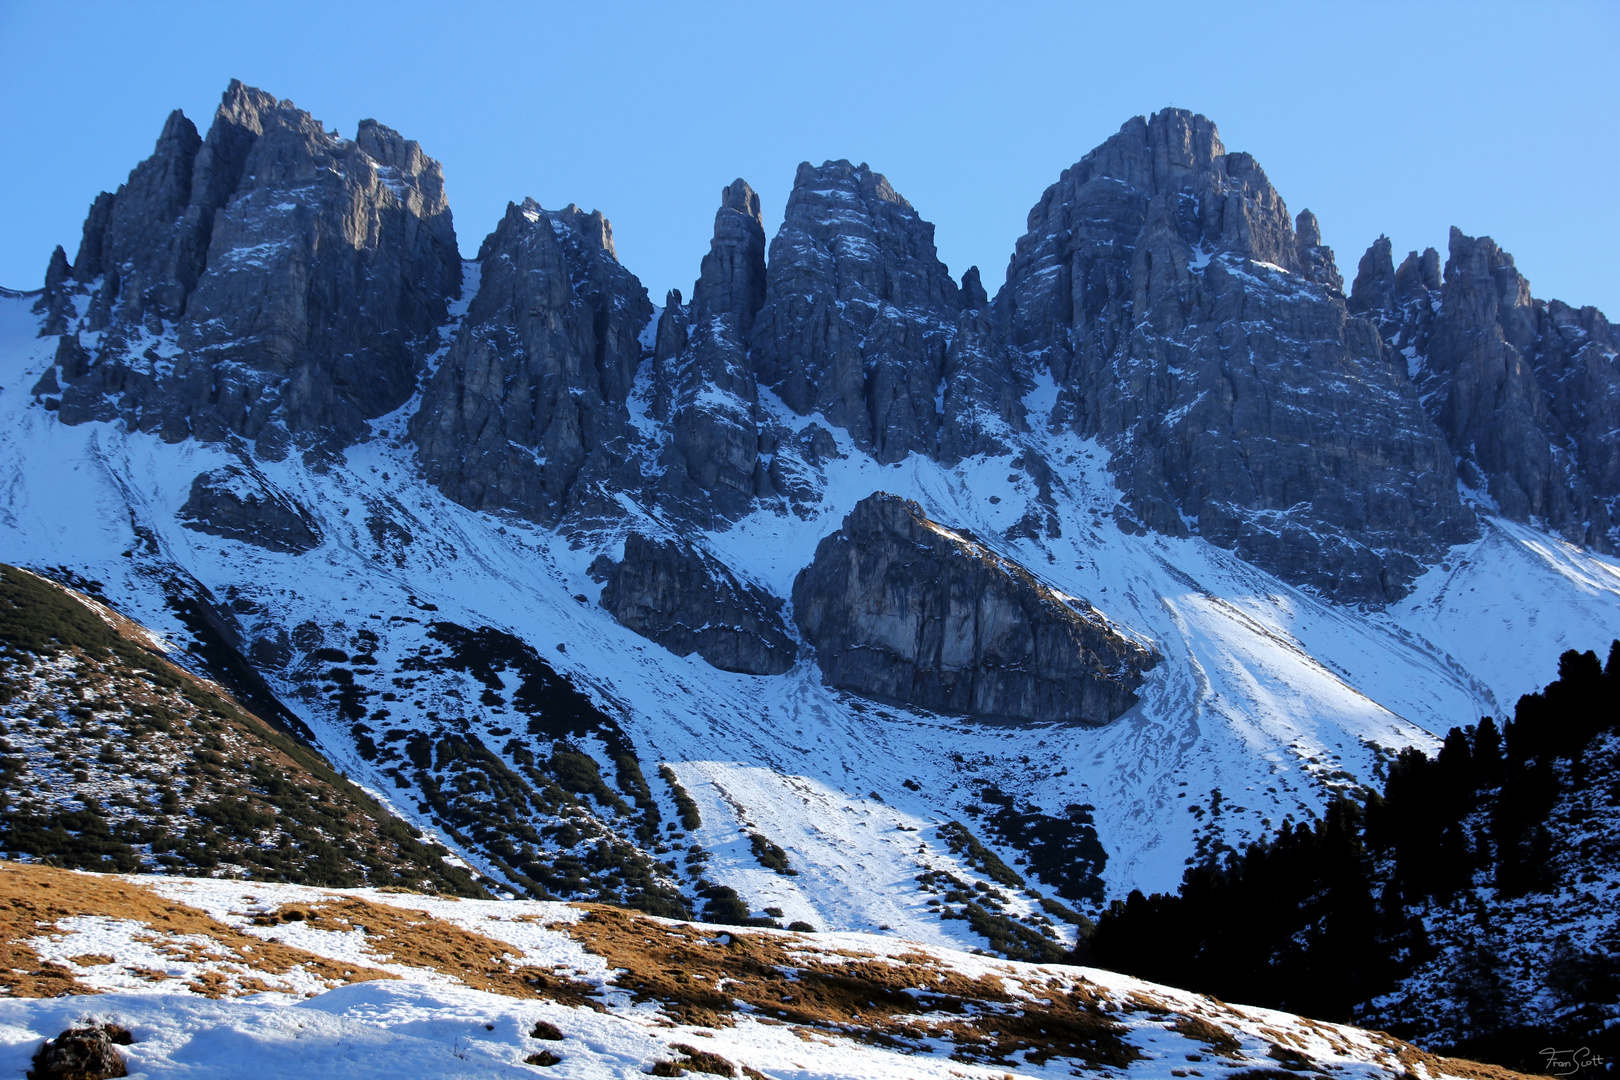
x,y
1396,118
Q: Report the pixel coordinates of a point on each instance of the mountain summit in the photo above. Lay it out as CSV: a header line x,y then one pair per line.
x,y
838,593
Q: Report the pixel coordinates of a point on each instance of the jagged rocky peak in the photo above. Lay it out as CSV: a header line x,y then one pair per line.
x,y
269,280
732,280
527,413
905,610
1527,392
686,601
711,469
1202,335
859,311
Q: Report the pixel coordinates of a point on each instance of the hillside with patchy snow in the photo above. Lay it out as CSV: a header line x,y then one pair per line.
x,y
197,977
1266,693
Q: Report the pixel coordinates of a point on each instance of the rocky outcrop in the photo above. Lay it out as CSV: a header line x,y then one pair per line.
x,y
1527,392
238,504
859,318
687,602
904,610
711,468
527,413
300,276
1203,339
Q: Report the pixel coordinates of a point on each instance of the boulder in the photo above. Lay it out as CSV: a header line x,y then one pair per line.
x,y
686,601
240,505
904,610
85,1053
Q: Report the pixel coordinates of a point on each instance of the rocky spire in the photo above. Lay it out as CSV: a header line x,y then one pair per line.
x,y
300,275
527,410
732,281
711,468
1316,258
1164,286
858,311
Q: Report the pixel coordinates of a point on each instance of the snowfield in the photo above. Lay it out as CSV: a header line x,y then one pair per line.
x,y
1265,694
427,1022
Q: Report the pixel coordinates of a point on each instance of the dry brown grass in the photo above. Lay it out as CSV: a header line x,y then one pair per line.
x,y
34,898
697,976
405,936
1409,1055
1216,1039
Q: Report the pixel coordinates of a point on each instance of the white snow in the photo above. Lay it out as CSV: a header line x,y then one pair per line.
x,y
426,1024
1264,691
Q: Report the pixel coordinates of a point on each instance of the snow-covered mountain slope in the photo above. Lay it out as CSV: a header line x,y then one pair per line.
x,y
202,976
1265,694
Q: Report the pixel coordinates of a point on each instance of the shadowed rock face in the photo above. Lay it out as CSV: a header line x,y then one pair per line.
x,y
861,322
706,390
234,503
901,609
301,274
527,411
1526,391
687,602
1202,336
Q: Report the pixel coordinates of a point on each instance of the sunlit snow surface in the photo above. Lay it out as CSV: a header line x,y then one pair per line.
x,y
1264,693
428,1024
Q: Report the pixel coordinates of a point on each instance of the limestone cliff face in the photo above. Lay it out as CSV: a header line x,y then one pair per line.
x,y
902,609
687,602
1526,391
710,467
301,277
274,282
860,317
527,412
1202,336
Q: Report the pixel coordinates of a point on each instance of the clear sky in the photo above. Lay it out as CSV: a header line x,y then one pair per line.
x,y
1401,118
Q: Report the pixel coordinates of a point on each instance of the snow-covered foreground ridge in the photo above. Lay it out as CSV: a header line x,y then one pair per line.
x,y
209,976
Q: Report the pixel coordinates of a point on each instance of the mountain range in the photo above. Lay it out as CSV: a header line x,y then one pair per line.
x,y
840,593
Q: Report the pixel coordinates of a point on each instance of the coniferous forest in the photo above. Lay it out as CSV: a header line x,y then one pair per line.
x,y
1359,915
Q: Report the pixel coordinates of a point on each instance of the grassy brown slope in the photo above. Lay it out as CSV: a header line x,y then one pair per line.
x,y
34,898
114,759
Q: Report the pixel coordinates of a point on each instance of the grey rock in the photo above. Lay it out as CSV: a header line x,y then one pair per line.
x,y
84,1053
302,275
1316,260
859,311
688,602
239,504
527,413
1205,342
904,610
1526,391
983,401
711,466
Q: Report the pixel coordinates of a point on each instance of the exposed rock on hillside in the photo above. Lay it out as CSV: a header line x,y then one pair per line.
x,y
711,463
528,407
859,315
300,274
688,602
1205,341
239,505
1526,391
902,609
